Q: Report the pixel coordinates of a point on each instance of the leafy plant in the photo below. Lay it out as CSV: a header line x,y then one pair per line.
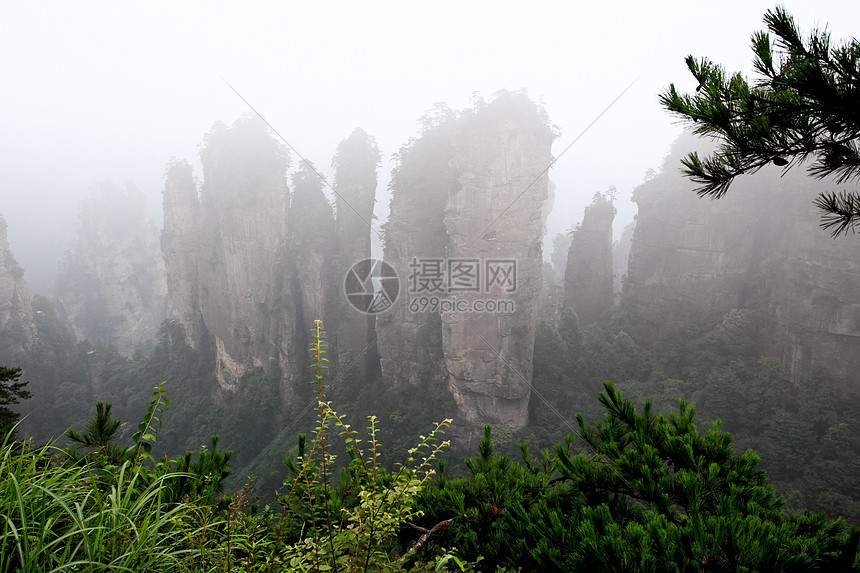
x,y
802,106
359,535
145,436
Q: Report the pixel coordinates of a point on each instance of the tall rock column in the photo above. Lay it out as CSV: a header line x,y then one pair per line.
x,y
229,261
180,247
410,343
588,287
355,166
244,227
493,220
313,244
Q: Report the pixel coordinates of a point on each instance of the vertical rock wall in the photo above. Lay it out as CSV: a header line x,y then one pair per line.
x,y
111,285
180,247
410,343
241,287
250,267
313,246
759,247
588,275
355,165
470,192
495,214
620,258
16,313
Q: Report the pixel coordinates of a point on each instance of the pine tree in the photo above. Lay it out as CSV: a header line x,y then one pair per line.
x,y
805,105
645,493
11,391
99,437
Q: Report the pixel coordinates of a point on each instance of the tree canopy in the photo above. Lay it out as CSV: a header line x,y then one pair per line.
x,y
11,391
804,105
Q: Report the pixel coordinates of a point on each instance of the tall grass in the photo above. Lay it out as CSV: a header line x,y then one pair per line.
x,y
118,509
60,517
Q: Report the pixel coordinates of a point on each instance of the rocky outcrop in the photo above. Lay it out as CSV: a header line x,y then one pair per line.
x,y
465,231
180,247
759,247
690,251
250,266
588,287
111,286
313,250
552,291
620,257
16,312
228,254
494,216
355,165
812,284
410,343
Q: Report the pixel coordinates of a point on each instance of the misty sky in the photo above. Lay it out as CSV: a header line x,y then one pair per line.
x,y
94,91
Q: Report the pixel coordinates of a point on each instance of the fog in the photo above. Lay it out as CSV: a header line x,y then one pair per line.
x,y
110,91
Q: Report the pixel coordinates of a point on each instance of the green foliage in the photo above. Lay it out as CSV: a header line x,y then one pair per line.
x,y
645,493
144,438
53,521
351,528
635,491
202,478
107,511
804,105
477,507
718,362
99,437
11,391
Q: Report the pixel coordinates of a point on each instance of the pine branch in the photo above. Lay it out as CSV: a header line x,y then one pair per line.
x,y
841,212
805,104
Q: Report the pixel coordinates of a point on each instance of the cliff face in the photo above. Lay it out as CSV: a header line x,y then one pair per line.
x,y
620,258
180,247
470,217
16,312
758,247
228,254
588,276
111,286
552,291
313,246
249,266
811,281
495,215
410,343
355,166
